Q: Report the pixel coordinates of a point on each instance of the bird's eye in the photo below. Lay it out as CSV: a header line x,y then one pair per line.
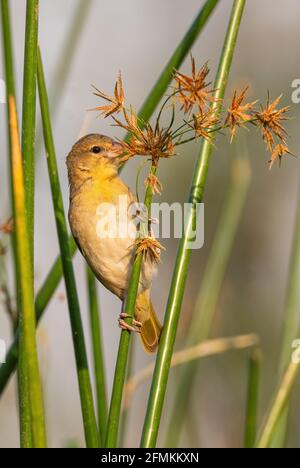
x,y
96,149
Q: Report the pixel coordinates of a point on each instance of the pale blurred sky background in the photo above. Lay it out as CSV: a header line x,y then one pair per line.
x,y
137,37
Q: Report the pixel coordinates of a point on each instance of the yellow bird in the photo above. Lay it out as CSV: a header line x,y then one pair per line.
x,y
96,191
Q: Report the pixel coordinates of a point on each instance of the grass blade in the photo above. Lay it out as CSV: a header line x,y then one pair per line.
x,y
163,361
201,350
28,141
85,389
98,355
279,402
29,109
252,398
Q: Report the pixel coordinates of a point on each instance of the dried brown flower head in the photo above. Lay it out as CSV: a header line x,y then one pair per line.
x,y
117,101
204,123
7,227
149,247
270,119
194,89
155,184
279,151
238,113
156,142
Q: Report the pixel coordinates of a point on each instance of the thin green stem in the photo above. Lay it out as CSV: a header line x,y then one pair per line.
x,y
30,387
29,108
280,399
98,355
125,410
28,141
122,358
206,302
85,389
291,323
252,398
164,356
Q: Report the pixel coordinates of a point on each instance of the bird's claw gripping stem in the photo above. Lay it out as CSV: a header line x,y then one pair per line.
x,y
135,327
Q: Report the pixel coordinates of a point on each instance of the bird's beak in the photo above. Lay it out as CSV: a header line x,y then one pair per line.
x,y
116,150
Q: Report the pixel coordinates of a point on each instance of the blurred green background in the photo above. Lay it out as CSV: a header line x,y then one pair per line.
x,y
137,37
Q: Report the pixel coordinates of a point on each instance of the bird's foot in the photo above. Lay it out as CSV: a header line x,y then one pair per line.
x,y
135,327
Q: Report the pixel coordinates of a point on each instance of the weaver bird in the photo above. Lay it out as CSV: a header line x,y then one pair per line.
x,y
95,188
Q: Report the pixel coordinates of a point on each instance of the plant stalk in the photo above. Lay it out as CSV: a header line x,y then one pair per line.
x,y
164,356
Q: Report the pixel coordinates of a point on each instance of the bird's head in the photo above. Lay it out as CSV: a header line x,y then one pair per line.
x,y
93,154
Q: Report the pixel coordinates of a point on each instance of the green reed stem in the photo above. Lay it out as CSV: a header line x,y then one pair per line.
x,y
279,402
32,421
122,357
29,109
164,356
28,153
252,398
85,389
98,355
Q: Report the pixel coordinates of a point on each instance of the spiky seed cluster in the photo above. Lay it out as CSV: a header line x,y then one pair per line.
x,y
194,94
156,142
149,247
270,119
204,124
193,89
117,101
238,114
278,152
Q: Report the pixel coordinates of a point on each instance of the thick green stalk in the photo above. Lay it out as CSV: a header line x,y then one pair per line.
x,y
85,389
28,142
164,356
41,302
24,406
122,358
252,398
149,106
291,323
206,302
281,397
32,421
29,109
98,354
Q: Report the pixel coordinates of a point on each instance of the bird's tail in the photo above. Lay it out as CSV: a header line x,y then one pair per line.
x,y
151,327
